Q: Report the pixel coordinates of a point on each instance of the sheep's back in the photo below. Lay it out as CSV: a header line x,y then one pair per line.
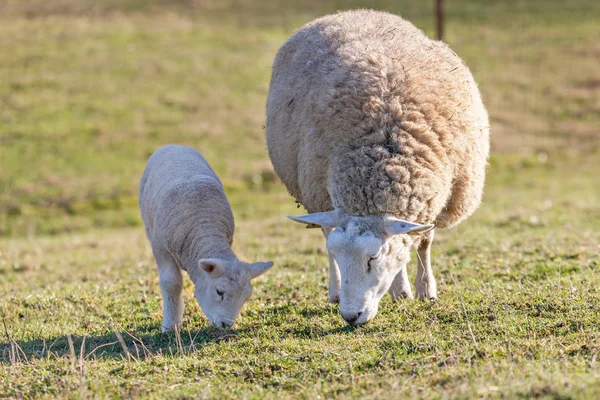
x,y
367,114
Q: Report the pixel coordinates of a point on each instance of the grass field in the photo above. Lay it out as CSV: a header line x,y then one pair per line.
x,y
88,90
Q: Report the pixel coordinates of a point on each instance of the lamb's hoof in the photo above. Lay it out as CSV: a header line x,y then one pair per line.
x,y
170,328
334,299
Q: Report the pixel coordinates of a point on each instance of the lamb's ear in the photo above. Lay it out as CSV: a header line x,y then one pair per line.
x,y
327,219
259,268
212,266
395,226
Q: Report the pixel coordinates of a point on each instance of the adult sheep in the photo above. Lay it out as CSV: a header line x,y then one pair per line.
x,y
379,132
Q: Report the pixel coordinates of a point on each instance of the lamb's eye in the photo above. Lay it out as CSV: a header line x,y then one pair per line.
x,y
220,292
369,266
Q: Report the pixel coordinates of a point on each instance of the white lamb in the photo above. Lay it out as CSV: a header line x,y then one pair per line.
x,y
379,132
190,226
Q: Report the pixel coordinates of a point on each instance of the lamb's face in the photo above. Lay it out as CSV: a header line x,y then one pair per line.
x,y
368,263
226,288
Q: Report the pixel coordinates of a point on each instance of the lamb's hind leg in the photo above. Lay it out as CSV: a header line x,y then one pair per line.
x,y
425,283
171,286
334,274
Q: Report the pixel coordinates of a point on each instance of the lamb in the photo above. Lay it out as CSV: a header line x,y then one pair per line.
x,y
190,226
381,134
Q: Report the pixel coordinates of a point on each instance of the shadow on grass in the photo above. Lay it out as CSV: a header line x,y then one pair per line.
x,y
313,318
309,331
145,341
138,344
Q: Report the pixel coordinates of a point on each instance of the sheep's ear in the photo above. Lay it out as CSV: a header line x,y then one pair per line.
x,y
259,268
395,226
212,266
326,219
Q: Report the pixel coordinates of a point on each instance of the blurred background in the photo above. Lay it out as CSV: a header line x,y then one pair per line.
x,y
89,89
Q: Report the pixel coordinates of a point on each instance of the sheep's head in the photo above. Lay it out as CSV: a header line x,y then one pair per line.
x,y
225,288
370,251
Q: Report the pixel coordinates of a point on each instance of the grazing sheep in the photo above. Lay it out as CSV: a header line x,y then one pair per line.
x,y
189,223
379,132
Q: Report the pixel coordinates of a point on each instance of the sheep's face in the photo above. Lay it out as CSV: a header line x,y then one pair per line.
x,y
225,287
370,251
368,263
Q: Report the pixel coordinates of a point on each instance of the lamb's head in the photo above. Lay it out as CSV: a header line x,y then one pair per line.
x,y
370,251
225,287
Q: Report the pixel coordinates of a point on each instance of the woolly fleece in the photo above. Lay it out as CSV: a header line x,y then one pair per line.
x,y
367,114
184,208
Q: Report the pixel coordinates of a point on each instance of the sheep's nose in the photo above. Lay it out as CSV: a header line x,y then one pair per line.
x,y
351,318
226,325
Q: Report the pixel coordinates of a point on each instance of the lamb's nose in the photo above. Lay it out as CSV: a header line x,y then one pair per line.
x,y
226,325
351,318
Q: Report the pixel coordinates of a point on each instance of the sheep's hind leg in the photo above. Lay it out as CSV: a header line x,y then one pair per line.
x,y
171,286
334,273
400,288
425,283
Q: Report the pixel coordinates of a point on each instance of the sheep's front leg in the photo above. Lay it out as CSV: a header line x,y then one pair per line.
x,y
425,283
171,286
334,273
401,286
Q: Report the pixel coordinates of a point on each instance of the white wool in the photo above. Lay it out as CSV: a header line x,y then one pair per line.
x,y
189,224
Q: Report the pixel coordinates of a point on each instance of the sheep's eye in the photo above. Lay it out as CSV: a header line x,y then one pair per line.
x,y
220,292
369,266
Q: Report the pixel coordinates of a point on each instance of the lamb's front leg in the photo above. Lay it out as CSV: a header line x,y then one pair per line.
x,y
425,282
171,286
335,279
401,286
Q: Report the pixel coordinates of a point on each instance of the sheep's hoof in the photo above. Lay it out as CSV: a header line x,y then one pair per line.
x,y
401,296
424,297
334,299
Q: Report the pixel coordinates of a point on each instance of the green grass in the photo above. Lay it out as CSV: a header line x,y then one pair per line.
x,y
88,90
